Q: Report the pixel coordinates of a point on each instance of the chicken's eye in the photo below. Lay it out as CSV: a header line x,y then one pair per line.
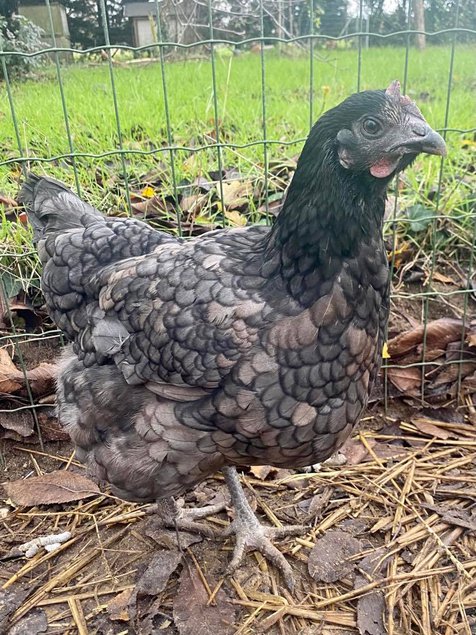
x,y
371,126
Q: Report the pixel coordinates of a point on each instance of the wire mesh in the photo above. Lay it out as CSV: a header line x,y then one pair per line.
x,y
315,45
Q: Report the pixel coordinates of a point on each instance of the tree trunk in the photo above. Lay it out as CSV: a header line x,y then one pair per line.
x,y
419,13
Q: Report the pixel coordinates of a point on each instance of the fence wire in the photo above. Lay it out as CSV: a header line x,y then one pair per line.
x,y
76,156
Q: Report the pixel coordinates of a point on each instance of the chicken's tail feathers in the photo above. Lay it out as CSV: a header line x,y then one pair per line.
x,y
52,207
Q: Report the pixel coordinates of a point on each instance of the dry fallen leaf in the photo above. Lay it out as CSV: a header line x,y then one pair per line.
x,y
145,600
471,336
427,427
193,204
355,451
438,334
167,538
10,600
450,373
155,207
261,471
117,608
51,429
159,570
440,277
236,193
407,380
41,379
8,373
17,423
235,218
33,623
318,503
193,616
371,606
331,558
49,489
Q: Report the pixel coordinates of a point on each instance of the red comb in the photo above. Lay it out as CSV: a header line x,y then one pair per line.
x,y
394,91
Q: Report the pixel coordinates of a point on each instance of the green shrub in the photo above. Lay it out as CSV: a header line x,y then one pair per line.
x,y
20,35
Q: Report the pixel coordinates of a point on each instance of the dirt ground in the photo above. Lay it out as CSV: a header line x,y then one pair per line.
x,y
390,547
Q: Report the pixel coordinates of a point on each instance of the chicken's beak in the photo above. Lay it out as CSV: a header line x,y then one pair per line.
x,y
419,137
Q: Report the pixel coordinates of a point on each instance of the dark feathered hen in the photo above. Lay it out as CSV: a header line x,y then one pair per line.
x,y
245,346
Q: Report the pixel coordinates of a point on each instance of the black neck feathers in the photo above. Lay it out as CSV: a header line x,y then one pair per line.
x,y
329,214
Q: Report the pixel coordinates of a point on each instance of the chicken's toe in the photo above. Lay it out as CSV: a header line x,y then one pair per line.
x,y
251,534
177,517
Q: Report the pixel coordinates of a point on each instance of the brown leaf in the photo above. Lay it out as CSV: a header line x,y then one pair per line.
x,y
261,471
451,373
52,488
235,218
469,383
456,517
386,451
471,338
371,606
407,380
17,423
438,334
27,313
355,451
430,355
193,204
10,600
41,379
8,373
440,277
155,207
167,538
51,430
427,427
117,608
319,503
33,623
193,616
145,599
154,579
331,557
236,194
274,207
370,610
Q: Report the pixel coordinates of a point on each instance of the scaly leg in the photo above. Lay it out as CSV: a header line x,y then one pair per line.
x,y
251,534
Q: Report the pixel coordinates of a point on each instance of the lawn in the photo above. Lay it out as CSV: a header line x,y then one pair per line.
x,y
140,101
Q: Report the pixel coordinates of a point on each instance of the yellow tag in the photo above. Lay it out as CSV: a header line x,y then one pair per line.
x,y
385,353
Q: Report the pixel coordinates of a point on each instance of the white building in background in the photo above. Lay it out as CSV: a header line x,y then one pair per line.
x,y
143,16
183,22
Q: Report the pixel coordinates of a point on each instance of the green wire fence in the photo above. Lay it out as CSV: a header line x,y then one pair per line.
x,y
170,149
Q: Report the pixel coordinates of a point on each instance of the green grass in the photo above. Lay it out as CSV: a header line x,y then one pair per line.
x,y
89,101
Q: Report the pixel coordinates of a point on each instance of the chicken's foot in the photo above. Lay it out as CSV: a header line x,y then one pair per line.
x,y
251,534
174,515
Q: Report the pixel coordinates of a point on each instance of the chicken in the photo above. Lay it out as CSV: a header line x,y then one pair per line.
x,y
248,346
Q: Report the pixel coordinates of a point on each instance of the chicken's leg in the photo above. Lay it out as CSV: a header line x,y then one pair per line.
x,y
251,534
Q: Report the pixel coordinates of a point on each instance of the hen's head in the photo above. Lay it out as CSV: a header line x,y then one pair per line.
x,y
378,132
